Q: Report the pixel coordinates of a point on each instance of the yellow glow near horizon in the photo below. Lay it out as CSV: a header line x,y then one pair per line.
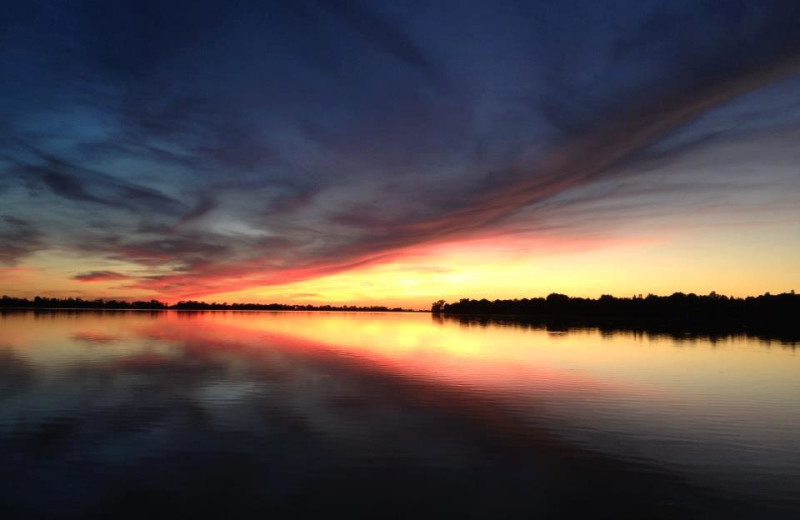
x,y
728,263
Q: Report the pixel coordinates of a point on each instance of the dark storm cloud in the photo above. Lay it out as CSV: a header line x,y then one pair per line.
x,y
271,141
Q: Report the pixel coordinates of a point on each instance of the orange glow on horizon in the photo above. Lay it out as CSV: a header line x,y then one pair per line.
x,y
732,262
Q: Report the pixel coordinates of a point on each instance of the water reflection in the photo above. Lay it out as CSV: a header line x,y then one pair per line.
x,y
391,415
778,337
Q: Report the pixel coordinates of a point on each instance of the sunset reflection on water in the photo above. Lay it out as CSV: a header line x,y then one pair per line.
x,y
309,397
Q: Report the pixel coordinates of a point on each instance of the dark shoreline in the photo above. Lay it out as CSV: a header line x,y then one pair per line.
x,y
774,316
786,336
678,315
49,310
45,303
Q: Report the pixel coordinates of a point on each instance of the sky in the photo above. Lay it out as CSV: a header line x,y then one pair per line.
x,y
384,152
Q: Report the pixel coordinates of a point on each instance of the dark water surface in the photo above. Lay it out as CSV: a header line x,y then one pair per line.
x,y
299,415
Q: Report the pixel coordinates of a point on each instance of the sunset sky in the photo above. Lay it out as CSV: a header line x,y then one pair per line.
x,y
388,152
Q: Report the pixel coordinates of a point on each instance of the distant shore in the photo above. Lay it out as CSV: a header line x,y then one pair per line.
x,y
771,315
775,315
46,303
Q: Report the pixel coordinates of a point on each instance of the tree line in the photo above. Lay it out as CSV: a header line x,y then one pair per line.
x,y
679,309
43,302
213,306
40,302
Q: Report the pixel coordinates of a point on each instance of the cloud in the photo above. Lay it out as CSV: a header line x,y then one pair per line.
x,y
73,182
18,238
225,147
100,276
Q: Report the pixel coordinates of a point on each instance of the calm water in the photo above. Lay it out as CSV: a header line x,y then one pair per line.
x,y
187,415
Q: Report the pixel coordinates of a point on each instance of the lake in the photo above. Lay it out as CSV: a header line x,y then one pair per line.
x,y
396,415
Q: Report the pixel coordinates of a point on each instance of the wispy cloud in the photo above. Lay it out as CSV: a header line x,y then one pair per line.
x,y
100,276
259,144
17,239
